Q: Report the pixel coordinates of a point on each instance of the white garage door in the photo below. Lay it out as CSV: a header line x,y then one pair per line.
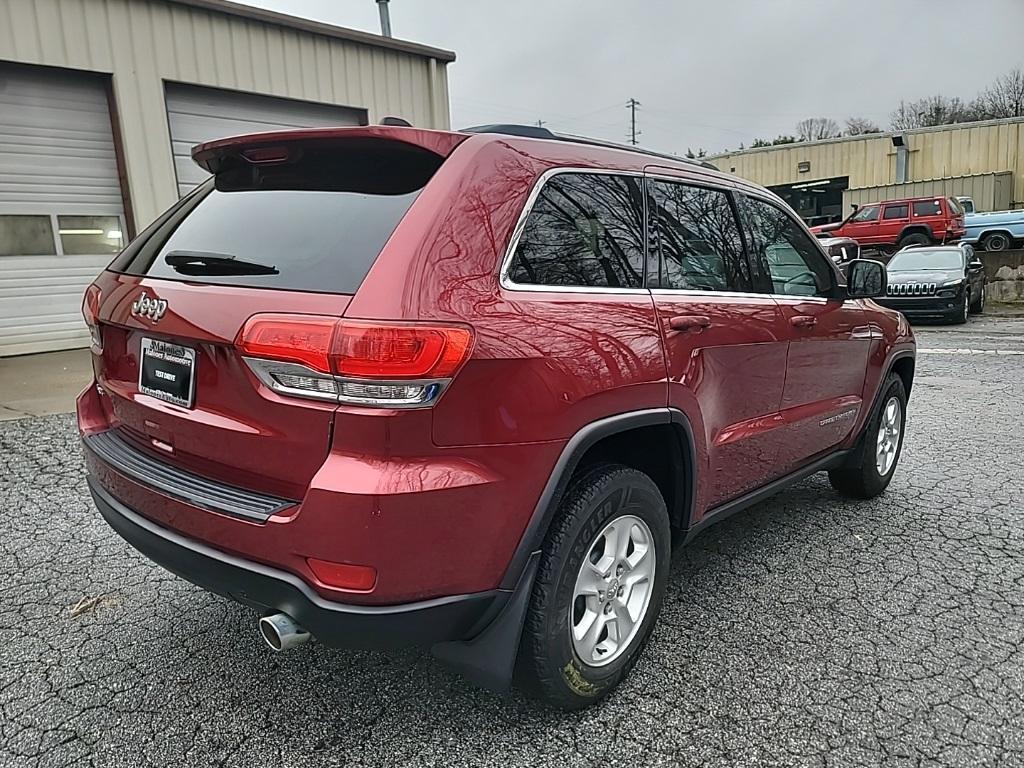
x,y
61,214
198,114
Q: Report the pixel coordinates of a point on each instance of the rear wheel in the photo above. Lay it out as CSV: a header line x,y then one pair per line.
x,y
995,241
868,472
599,587
915,238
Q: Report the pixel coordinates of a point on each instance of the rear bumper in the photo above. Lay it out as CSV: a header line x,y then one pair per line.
x,y
270,590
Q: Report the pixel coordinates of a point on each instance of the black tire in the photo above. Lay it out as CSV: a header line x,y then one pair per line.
x,y
961,313
914,238
859,478
548,666
979,306
995,241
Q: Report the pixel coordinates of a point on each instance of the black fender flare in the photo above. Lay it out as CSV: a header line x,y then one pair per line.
x,y
876,402
576,447
912,228
488,658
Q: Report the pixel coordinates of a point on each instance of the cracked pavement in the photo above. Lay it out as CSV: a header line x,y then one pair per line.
x,y
807,631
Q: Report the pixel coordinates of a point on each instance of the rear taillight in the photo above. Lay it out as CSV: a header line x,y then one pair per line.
x,y
390,365
91,313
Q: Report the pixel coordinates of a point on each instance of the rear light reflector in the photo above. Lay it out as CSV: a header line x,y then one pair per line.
x,y
392,365
91,313
357,578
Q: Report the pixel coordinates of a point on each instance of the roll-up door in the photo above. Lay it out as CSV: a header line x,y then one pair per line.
x,y
61,212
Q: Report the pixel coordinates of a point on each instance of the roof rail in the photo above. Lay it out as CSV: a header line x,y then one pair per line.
x,y
539,132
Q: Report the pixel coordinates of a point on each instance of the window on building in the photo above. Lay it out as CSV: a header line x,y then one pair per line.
x,y
796,265
26,236
585,229
697,239
90,235
895,211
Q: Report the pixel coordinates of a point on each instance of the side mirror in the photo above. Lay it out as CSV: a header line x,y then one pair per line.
x,y
865,279
975,264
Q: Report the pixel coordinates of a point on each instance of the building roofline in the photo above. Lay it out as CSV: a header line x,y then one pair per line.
x,y
318,28
869,136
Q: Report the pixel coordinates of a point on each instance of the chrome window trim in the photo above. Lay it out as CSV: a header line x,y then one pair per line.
x,y
506,264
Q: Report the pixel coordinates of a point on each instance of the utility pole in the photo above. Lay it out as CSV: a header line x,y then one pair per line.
x,y
540,123
632,104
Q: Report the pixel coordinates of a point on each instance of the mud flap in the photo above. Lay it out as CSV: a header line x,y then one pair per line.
x,y
489,659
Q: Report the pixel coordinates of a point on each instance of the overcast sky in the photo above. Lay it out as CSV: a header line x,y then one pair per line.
x,y
708,73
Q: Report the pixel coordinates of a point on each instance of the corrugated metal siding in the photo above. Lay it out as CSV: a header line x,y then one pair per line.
x,y
56,146
56,157
145,42
971,149
991,192
197,114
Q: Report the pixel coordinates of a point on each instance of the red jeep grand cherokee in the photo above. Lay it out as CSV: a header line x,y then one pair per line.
x,y
466,390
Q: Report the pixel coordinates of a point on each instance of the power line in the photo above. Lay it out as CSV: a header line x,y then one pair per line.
x,y
632,104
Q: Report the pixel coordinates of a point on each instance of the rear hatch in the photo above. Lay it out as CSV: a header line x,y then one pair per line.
x,y
291,223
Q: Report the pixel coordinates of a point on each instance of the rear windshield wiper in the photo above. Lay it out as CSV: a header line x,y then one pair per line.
x,y
207,263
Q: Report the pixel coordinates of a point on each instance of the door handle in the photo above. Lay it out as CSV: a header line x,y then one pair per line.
x,y
689,322
803,321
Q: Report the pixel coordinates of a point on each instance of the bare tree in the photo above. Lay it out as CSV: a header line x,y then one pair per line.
x,y
929,111
858,126
813,128
1004,98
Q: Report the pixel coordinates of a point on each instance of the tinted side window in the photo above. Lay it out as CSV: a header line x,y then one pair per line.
x,y
585,229
895,212
697,238
927,208
796,265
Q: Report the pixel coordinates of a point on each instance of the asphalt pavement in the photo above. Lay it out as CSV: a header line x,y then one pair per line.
x,y
807,631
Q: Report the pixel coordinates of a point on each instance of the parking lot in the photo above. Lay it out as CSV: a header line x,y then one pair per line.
x,y
808,631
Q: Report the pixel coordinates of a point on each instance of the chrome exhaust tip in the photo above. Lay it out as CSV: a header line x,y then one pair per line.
x,y
281,632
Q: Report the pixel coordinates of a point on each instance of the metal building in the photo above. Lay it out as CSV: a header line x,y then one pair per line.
x,y
101,101
821,179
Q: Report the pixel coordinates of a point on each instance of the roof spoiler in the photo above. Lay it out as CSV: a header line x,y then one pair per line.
x,y
259,147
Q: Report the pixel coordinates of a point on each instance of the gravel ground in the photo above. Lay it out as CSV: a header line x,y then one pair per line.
x,y
808,631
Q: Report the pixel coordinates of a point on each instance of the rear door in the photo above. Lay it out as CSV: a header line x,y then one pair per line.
x,y
725,345
829,337
294,236
895,216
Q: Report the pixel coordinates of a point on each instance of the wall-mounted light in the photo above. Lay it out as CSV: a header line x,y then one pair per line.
x,y
804,166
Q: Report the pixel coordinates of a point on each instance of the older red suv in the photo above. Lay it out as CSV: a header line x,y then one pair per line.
x,y
466,390
896,224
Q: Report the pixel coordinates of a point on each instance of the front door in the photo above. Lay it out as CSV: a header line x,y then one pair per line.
x,y
830,338
725,345
863,225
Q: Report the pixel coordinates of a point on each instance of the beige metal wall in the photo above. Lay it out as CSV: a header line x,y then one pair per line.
x,y
958,150
990,191
143,43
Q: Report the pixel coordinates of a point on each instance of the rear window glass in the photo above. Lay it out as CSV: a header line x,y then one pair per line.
x,y
895,212
314,224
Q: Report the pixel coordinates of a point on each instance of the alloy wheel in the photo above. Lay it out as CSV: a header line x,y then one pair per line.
x,y
888,441
613,591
